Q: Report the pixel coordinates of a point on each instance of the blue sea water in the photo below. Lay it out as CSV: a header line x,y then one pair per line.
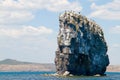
x,y
40,76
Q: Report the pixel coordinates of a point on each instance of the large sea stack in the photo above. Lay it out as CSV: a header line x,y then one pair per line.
x,y
81,46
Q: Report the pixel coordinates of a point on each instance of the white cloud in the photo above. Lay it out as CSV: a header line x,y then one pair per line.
x,y
92,0
39,44
115,30
25,31
15,17
52,5
61,5
20,11
110,10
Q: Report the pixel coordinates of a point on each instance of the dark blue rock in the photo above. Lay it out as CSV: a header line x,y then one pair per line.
x,y
82,49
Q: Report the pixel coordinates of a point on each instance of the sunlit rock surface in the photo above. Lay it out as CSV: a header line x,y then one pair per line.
x,y
81,46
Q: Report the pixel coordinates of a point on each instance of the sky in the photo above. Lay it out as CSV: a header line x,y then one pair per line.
x,y
28,28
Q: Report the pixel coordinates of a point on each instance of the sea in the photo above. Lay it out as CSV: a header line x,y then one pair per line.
x,y
41,76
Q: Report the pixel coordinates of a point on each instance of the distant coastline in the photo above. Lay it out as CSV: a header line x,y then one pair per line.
x,y
113,68
10,65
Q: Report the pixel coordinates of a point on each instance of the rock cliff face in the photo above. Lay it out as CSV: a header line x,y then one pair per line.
x,y
81,46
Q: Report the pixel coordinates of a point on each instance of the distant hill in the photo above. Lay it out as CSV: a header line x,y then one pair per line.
x,y
14,65
14,62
